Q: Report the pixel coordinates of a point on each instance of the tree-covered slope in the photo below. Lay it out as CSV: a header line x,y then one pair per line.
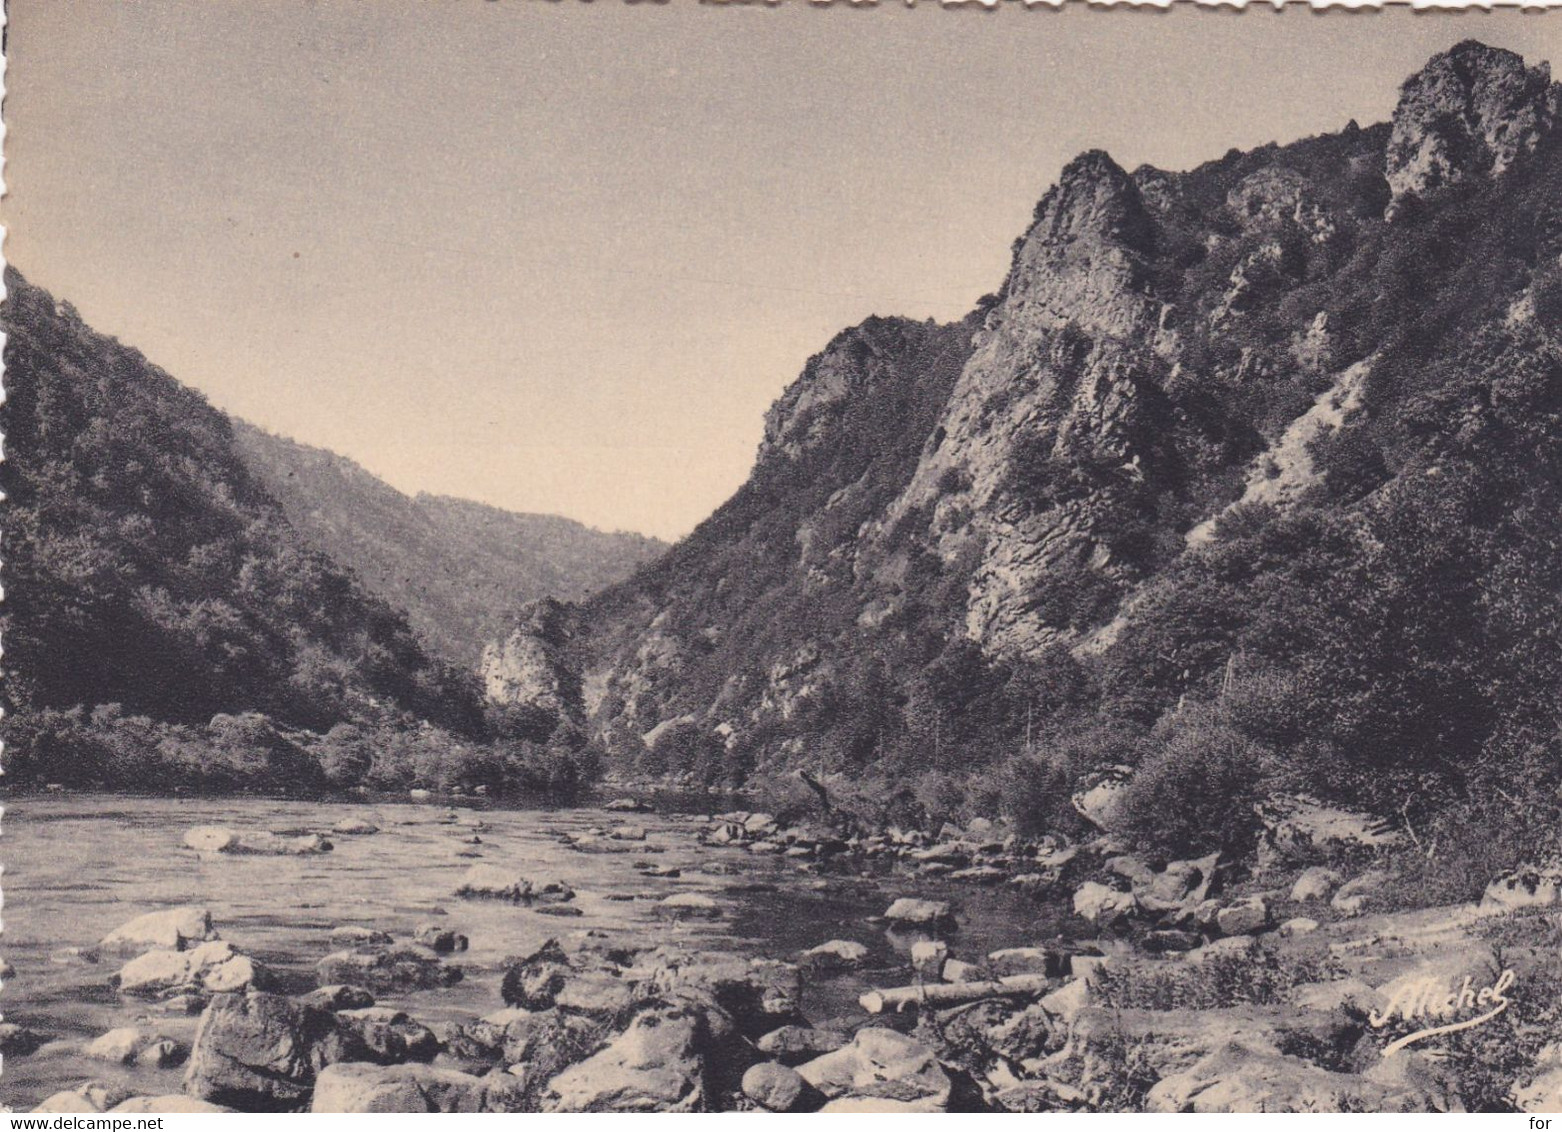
x,y
1245,476
147,567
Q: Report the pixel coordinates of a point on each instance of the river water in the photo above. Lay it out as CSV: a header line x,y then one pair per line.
x,y
77,866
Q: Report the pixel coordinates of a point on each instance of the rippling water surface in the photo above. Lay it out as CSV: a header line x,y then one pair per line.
x,y
77,866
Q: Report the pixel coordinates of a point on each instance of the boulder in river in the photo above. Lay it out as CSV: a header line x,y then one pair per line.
x,y
17,1040
171,929
490,882
170,1102
354,935
213,839
391,1036
119,1045
213,967
440,938
338,996
398,969
689,906
628,806
355,827
258,1052
756,994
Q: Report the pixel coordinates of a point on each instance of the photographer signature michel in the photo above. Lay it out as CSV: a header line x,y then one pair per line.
x,y
1430,1000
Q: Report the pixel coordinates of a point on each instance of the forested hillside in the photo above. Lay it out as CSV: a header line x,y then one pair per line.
x,y
457,568
163,621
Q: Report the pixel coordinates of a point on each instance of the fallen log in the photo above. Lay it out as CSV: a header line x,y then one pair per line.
x,y
953,994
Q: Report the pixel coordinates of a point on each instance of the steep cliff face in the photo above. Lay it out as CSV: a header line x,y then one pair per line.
x,y
526,672
1084,507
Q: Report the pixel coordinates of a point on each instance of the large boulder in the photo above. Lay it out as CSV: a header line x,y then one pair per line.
x,y
172,929
355,827
398,969
534,982
362,1087
171,1102
776,1088
658,1064
880,1064
260,1052
1181,884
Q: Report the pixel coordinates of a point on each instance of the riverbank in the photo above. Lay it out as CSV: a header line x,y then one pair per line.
x,y
611,959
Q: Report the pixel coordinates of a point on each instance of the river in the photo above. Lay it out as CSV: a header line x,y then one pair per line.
x,y
77,866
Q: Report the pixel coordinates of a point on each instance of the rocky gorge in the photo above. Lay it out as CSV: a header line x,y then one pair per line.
x,y
1196,985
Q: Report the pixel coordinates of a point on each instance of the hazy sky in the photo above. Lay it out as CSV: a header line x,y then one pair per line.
x,y
562,256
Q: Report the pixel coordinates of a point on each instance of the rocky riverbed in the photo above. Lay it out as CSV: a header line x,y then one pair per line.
x,y
284,956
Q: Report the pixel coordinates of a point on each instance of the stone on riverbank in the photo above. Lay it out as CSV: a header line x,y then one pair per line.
x,y
793,1045
658,1064
775,1088
1316,883
919,913
18,1041
880,1064
359,1087
1102,906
